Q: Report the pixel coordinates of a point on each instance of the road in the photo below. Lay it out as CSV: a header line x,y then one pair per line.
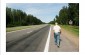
x,y
24,41
35,40
68,43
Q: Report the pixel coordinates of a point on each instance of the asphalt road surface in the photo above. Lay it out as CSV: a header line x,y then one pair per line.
x,y
28,40
35,40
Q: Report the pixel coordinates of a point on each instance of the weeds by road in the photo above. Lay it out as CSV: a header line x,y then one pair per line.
x,y
16,28
73,29
9,29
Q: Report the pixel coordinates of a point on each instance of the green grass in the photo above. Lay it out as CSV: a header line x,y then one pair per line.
x,y
73,29
9,29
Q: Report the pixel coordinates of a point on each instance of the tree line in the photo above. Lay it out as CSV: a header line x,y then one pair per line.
x,y
67,13
15,17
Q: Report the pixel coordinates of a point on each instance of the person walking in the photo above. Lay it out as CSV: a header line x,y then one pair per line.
x,y
57,32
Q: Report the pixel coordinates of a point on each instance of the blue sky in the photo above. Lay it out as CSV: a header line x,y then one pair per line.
x,y
43,11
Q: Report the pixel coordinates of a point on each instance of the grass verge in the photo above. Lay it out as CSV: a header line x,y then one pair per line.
x,y
9,29
73,29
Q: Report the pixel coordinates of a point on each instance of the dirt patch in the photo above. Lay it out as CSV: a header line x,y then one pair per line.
x,y
72,37
69,42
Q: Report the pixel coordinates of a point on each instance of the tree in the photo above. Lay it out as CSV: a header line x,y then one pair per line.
x,y
74,13
63,16
69,13
18,18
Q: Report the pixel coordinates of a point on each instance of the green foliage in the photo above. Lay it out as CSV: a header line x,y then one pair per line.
x,y
69,13
74,13
19,18
63,16
73,29
52,22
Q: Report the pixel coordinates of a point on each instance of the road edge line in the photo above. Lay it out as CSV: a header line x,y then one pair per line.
x,y
47,42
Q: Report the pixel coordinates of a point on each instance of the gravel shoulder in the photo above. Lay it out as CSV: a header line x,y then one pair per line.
x,y
69,42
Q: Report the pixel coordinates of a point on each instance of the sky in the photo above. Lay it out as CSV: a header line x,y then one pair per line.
x,y
46,12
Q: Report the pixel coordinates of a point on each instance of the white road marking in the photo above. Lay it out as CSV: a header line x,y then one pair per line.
x,y
47,43
29,32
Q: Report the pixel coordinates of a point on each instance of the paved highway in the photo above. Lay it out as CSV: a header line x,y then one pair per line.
x,y
28,40
40,39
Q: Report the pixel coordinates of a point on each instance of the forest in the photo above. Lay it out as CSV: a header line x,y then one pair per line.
x,y
15,17
67,13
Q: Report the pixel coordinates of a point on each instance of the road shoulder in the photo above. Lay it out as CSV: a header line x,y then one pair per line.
x,y
69,42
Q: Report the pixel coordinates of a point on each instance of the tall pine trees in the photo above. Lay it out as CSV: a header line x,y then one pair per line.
x,y
19,18
68,13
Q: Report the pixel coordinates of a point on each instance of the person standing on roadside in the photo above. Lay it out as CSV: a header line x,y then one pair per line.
x,y
57,32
